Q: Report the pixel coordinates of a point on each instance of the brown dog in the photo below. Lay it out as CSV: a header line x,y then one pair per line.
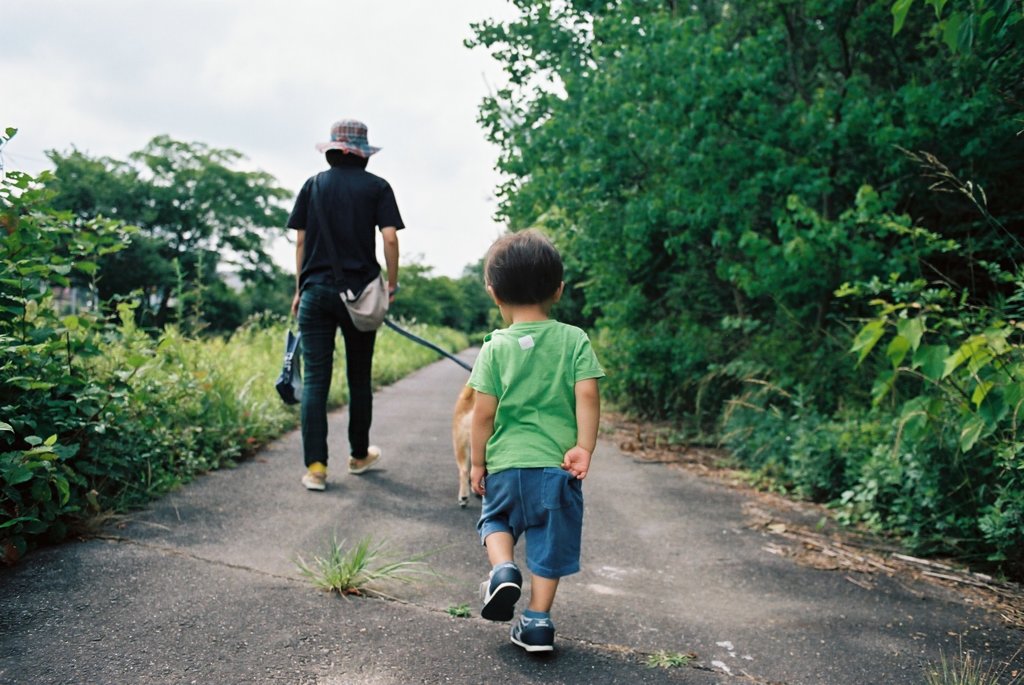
x,y
462,419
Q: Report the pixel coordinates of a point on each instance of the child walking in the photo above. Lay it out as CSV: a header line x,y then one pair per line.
x,y
534,431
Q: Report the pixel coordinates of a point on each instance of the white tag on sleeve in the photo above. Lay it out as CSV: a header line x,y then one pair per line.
x,y
526,342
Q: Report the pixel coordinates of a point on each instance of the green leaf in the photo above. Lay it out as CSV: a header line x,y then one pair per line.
x,y
931,359
867,338
912,330
970,432
980,391
951,31
20,519
1013,395
993,408
938,5
63,488
136,360
897,350
50,441
17,474
965,37
6,427
882,385
974,350
914,417
899,14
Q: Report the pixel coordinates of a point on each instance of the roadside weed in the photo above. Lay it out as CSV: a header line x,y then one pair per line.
x,y
664,659
459,610
357,570
966,669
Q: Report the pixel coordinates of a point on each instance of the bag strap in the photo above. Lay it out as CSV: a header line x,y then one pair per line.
x,y
325,231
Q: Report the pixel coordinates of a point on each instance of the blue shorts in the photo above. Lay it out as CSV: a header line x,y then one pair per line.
x,y
544,503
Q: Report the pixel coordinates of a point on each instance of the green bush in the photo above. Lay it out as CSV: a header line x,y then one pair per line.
x,y
784,438
937,462
954,379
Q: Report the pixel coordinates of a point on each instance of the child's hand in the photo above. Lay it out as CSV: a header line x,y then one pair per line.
x,y
577,462
476,479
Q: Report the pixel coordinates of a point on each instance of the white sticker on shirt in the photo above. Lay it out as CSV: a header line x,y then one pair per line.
x,y
526,342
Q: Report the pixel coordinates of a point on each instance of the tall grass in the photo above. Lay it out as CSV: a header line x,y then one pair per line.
x,y
159,412
968,669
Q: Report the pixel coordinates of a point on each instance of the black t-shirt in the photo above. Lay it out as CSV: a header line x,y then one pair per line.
x,y
355,202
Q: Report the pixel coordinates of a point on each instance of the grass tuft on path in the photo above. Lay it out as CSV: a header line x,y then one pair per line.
x,y
359,570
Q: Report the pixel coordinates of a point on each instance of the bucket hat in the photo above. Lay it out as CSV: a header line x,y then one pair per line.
x,y
349,135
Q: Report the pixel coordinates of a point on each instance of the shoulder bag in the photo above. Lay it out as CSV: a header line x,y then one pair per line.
x,y
368,306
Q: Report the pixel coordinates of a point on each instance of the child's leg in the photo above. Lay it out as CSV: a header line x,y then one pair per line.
x,y
535,631
499,547
497,527
501,590
542,593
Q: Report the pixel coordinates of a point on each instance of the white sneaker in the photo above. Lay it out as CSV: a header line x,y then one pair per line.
x,y
316,477
361,466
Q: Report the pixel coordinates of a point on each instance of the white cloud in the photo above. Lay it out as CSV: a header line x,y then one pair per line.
x,y
267,79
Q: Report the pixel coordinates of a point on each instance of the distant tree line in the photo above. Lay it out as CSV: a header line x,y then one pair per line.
x,y
199,257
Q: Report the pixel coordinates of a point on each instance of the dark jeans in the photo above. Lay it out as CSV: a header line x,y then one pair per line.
x,y
321,313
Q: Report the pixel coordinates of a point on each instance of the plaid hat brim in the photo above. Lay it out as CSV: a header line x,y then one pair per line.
x,y
364,150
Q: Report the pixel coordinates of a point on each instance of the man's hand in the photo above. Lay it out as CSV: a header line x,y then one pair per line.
x,y
476,479
577,462
295,305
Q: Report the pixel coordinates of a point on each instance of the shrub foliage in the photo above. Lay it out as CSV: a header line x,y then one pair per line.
x,y
733,184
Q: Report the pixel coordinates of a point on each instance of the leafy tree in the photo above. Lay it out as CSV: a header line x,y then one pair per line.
x,y
461,303
970,23
733,182
272,294
190,204
716,171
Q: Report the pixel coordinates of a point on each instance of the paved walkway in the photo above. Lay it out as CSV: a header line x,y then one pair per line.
x,y
202,587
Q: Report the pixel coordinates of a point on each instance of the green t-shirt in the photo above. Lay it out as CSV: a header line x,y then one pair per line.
x,y
532,368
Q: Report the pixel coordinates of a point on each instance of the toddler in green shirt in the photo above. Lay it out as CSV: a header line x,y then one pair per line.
x,y
534,430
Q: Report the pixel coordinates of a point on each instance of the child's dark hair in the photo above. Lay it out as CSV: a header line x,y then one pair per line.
x,y
337,158
523,268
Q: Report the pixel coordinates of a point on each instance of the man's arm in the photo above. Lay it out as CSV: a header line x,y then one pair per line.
x,y
300,249
588,415
481,429
390,236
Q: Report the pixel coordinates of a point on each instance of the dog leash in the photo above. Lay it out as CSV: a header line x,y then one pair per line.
x,y
426,343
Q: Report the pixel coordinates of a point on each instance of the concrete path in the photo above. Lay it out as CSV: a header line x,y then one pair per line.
x,y
202,587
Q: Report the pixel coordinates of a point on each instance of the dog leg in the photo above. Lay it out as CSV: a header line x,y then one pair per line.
x,y
462,420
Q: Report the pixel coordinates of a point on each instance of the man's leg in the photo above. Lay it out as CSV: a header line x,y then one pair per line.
x,y
359,371
318,330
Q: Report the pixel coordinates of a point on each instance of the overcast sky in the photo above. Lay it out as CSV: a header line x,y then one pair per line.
x,y
267,78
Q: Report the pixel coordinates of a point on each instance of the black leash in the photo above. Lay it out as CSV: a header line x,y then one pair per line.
x,y
426,343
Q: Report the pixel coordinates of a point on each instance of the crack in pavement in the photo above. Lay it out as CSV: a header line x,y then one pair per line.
x,y
609,648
